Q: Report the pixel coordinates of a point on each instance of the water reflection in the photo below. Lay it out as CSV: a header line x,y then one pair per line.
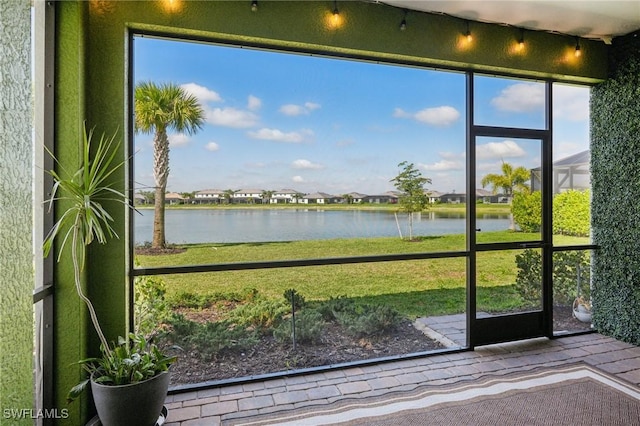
x,y
256,225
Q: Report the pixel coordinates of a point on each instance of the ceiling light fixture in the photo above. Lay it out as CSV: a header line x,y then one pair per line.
x,y
403,24
468,34
521,40
336,12
578,52
254,5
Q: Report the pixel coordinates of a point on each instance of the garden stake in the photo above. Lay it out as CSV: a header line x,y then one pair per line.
x,y
293,319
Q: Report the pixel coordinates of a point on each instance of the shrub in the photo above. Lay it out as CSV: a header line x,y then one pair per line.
x,y
149,306
261,314
368,319
298,299
332,306
565,276
571,213
185,299
209,338
527,211
309,326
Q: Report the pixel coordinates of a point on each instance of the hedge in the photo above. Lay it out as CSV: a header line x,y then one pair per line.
x,y
615,174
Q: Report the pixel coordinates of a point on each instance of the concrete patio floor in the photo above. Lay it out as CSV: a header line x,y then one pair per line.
x,y
220,405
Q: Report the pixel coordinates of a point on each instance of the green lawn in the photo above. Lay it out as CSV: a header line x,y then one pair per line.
x,y
415,288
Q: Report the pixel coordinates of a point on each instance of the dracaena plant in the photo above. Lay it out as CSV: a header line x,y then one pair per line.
x,y
83,219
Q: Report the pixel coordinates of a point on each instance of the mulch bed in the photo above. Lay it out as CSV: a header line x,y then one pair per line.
x,y
336,347
270,356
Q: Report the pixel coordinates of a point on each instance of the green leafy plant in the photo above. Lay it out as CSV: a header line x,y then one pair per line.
x,y
83,220
414,199
569,268
131,360
149,305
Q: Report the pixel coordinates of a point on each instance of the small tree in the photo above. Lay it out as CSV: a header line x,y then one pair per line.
x,y
414,198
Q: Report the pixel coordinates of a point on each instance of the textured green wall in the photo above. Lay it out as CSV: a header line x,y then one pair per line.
x,y
91,84
615,155
16,260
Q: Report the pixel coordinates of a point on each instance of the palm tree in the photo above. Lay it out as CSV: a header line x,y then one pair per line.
x,y
509,181
159,108
228,195
266,195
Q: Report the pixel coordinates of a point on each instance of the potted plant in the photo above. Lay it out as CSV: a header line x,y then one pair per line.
x,y
123,368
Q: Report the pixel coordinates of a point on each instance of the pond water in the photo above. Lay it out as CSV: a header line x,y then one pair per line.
x,y
258,225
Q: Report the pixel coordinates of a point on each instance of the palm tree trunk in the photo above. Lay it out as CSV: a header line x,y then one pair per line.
x,y
160,174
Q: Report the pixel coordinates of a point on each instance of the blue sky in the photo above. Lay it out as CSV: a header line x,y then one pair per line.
x,y
309,123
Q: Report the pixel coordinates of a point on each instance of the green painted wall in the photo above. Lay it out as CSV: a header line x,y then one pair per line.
x,y
16,259
91,84
615,154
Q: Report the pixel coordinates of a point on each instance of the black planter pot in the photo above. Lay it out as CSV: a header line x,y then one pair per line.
x,y
135,404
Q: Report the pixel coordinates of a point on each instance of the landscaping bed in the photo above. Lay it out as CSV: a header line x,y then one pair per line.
x,y
270,356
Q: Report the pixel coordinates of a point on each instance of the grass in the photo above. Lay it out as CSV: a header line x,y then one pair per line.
x,y
415,288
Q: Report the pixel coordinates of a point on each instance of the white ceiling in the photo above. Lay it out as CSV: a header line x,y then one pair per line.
x,y
600,19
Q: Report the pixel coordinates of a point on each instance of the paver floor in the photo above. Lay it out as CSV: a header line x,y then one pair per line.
x,y
218,405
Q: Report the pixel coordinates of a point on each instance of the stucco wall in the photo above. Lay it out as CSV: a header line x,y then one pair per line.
x,y
16,262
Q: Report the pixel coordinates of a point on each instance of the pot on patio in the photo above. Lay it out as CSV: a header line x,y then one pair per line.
x,y
582,309
139,403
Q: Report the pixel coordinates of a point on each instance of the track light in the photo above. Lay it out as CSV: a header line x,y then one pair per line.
x,y
254,5
578,52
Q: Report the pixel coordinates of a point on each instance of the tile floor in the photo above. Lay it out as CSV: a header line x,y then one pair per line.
x,y
218,405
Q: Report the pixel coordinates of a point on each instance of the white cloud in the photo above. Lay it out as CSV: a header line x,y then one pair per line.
x,y
441,116
212,146
451,155
505,149
254,103
443,165
202,93
310,106
306,164
520,97
178,139
231,117
297,179
571,102
280,136
293,110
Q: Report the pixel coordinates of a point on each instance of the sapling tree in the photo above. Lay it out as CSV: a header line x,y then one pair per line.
x,y
414,198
